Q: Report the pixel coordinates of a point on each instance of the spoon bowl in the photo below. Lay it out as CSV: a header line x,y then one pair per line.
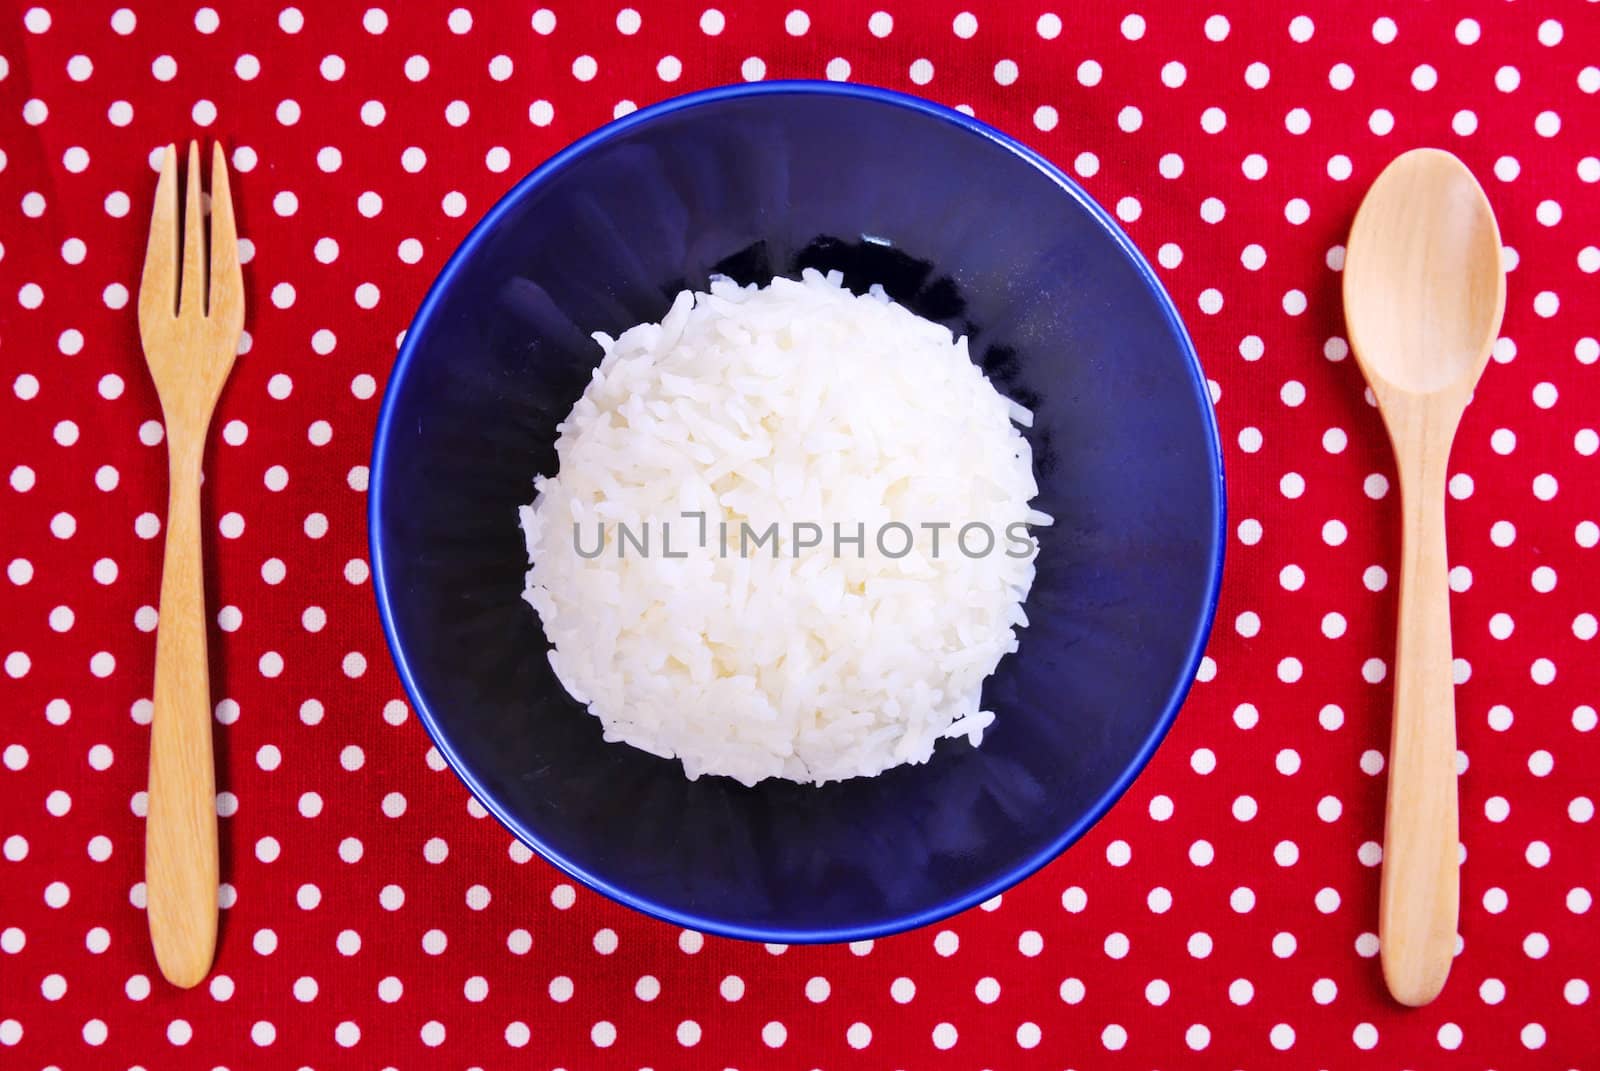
x,y
1424,292
1424,289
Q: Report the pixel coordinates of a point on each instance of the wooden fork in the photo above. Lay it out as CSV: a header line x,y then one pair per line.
x,y
190,337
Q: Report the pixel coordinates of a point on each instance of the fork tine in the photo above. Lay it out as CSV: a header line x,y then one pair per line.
x,y
192,281
158,286
227,282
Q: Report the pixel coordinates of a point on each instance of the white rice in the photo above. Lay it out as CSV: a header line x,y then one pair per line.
x,y
794,402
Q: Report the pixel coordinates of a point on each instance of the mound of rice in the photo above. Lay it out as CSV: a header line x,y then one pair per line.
x,y
797,402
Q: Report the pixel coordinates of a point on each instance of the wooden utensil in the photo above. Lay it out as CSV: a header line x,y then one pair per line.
x,y
190,336
1424,291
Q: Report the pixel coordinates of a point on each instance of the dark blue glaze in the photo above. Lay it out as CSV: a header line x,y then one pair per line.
x,y
1065,316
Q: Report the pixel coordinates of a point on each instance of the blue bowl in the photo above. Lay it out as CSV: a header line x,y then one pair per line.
x,y
961,224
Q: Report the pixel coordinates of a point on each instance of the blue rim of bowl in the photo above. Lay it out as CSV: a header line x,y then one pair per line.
x,y
1062,841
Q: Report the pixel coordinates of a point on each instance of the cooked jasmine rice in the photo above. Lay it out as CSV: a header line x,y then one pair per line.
x,y
804,406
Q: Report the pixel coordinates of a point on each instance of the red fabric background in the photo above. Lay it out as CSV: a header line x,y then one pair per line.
x,y
1265,957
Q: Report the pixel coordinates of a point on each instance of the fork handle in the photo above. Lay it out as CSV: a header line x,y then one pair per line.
x,y
181,821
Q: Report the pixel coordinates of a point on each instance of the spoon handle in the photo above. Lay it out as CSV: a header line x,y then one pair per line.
x,y
1421,873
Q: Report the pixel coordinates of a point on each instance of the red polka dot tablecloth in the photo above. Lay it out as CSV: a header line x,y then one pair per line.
x,y
1222,915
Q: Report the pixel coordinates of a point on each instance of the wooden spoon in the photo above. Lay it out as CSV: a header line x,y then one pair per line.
x,y
1424,291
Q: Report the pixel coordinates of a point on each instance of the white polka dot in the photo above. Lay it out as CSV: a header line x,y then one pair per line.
x,y
774,1034
1045,118
965,25
288,112
1216,27
1090,73
817,990
1339,169
689,1033
1159,900
1544,484
1381,123
104,570
1245,716
1424,77
1492,991
329,158
1213,120
1048,26
1087,165
1341,76
1200,946
1256,75
75,160
412,160
1297,121
283,295
1543,579
541,113
1284,945
376,20
1464,122
416,68
1371,763
1501,626
1301,28
267,849
1252,257
1170,255
500,68
117,205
